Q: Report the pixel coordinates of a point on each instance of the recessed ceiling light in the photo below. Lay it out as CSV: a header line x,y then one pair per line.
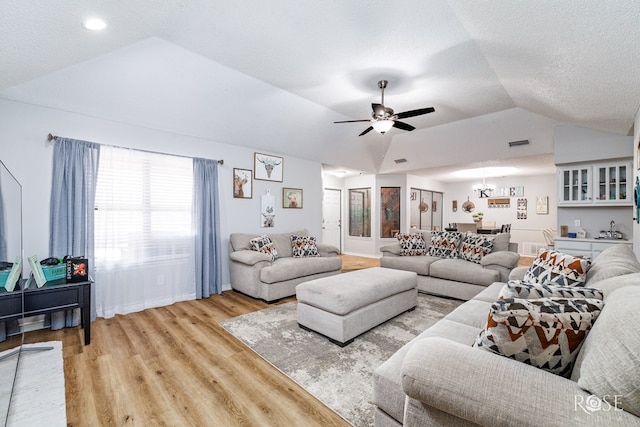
x,y
94,24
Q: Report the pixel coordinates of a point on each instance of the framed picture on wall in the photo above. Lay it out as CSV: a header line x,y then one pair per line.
x,y
292,198
267,167
542,205
242,183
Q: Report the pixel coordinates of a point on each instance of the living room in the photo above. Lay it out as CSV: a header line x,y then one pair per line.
x,y
180,80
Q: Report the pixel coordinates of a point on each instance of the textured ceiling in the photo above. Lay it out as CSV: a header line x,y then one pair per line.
x,y
275,75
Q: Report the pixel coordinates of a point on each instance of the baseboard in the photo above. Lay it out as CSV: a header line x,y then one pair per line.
x,y
361,255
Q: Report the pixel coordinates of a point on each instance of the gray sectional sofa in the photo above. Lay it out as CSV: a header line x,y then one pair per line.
x,y
455,278
255,274
438,378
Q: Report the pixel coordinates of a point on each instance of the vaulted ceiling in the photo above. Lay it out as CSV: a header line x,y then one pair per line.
x,y
275,75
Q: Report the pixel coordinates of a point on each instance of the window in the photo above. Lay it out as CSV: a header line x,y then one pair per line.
x,y
143,208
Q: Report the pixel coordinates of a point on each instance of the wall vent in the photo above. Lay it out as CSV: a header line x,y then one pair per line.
x,y
519,143
400,160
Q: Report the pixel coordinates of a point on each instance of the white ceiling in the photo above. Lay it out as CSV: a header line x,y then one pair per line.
x,y
275,75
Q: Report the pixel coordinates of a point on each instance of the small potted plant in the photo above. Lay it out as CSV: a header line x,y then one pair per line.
x,y
477,217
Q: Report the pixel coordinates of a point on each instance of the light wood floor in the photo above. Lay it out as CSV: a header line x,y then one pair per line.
x,y
175,366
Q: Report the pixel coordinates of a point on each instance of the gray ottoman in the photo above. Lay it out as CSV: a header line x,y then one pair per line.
x,y
343,306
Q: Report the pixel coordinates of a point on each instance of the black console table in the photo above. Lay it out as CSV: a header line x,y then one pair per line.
x,y
53,296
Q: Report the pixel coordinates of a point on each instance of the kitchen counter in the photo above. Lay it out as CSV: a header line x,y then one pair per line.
x,y
588,247
591,239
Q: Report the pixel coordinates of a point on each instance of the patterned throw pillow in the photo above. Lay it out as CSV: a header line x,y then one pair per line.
x,y
411,244
475,246
546,333
555,268
522,289
303,246
444,244
265,245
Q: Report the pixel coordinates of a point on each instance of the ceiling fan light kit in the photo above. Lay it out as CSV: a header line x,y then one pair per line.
x,y
383,118
382,126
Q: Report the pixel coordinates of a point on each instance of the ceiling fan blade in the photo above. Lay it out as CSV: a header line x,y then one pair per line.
x,y
403,126
353,121
367,130
378,110
414,113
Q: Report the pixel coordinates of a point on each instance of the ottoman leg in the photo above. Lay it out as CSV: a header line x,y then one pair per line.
x,y
341,344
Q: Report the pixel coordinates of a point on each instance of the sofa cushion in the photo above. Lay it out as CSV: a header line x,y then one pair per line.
x,y
557,268
475,246
463,271
290,268
412,244
614,261
387,378
501,242
520,289
241,241
546,333
303,246
282,242
608,364
416,264
444,244
265,245
607,286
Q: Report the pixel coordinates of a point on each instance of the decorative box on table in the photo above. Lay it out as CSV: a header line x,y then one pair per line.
x,y
77,269
54,272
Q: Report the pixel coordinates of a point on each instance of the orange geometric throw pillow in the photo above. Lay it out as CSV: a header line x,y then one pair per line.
x,y
556,268
546,333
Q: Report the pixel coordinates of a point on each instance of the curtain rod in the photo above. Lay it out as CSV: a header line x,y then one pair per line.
x,y
52,137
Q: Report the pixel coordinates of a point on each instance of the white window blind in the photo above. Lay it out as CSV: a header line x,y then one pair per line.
x,y
143,230
143,207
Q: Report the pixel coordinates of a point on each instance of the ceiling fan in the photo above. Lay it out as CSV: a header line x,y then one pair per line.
x,y
383,118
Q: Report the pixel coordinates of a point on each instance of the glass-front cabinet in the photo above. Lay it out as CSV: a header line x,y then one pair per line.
x,y
613,183
575,185
595,184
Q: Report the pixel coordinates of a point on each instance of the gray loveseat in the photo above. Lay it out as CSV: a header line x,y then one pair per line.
x,y
455,278
255,274
438,378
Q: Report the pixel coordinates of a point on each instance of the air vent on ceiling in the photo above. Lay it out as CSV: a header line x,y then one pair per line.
x,y
519,143
400,160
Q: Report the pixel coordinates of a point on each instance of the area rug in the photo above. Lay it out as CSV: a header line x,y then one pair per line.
x,y
340,377
38,396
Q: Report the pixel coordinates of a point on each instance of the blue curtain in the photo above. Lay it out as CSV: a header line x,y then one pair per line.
x,y
206,217
75,173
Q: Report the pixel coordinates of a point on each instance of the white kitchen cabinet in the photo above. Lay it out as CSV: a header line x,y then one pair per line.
x,y
613,183
588,248
575,185
596,184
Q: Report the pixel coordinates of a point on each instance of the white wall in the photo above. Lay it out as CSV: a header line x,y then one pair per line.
x,y
522,230
573,144
26,152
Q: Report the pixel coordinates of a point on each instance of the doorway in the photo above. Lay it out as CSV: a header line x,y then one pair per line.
x,y
331,217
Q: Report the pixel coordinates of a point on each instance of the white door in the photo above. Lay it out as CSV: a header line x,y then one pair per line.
x,y
331,214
